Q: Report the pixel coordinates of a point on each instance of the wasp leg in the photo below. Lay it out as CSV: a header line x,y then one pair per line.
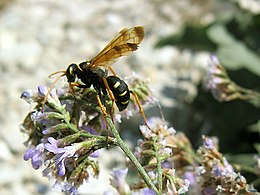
x,y
111,69
71,85
140,108
111,97
103,109
77,85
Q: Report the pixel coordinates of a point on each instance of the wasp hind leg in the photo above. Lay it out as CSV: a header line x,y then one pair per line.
x,y
140,107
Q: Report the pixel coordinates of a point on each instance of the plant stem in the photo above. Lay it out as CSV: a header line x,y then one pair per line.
x,y
130,155
159,167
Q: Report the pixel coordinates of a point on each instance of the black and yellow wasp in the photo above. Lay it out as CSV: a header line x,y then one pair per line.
x,y
94,72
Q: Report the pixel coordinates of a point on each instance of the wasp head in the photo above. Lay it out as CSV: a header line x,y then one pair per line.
x,y
71,72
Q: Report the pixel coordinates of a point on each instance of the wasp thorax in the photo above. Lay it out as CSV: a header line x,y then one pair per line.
x,y
71,72
83,65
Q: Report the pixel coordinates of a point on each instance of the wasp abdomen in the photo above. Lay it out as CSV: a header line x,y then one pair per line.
x,y
120,91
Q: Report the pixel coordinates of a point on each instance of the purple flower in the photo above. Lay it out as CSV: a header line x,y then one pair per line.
x,y
166,164
209,190
52,98
140,87
42,90
54,94
124,114
52,146
62,154
93,132
46,131
191,177
214,65
40,117
89,129
225,170
47,172
208,143
37,116
138,149
228,166
119,176
65,187
218,81
62,91
37,156
216,74
118,181
156,124
94,154
29,96
184,186
148,191
147,133
217,171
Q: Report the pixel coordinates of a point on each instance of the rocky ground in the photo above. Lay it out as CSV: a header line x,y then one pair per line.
x,y
41,37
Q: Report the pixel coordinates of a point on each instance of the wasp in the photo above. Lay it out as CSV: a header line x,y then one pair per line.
x,y
94,72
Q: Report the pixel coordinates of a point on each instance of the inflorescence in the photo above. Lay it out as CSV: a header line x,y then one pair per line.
x,y
223,88
65,136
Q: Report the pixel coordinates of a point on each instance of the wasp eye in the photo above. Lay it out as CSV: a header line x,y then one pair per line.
x,y
71,72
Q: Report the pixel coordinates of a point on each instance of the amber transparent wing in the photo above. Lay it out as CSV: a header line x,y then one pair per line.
x,y
123,44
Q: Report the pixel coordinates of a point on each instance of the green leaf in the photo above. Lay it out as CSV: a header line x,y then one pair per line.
x,y
54,115
233,53
191,36
243,159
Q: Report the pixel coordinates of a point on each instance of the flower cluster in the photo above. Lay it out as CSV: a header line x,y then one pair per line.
x,y
141,93
156,153
223,88
176,168
216,175
140,87
57,141
65,134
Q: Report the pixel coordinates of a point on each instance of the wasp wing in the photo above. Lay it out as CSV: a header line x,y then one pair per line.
x,y
123,44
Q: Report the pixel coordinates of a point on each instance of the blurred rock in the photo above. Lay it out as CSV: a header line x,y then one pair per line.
x,y
41,37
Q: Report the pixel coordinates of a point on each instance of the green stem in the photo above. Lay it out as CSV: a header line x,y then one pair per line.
x,y
130,155
159,167
70,125
241,167
172,183
252,96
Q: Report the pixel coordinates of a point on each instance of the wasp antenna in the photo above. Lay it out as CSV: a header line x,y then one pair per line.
x,y
51,87
161,112
61,71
